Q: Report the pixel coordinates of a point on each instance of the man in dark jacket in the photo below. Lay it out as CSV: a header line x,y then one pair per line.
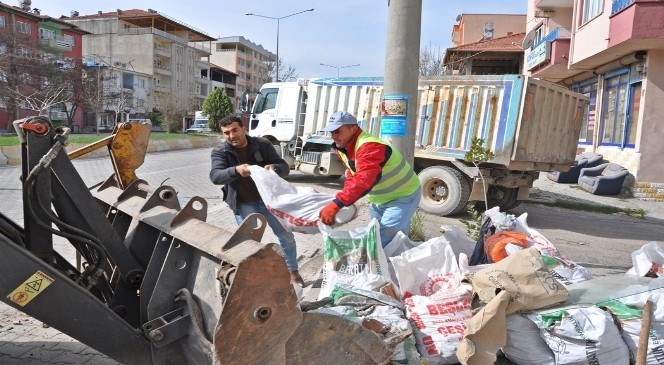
x,y
230,167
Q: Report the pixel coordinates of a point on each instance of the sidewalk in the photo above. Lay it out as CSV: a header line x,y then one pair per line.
x,y
569,195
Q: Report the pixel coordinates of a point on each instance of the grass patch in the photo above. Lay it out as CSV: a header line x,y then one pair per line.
x,y
605,209
91,138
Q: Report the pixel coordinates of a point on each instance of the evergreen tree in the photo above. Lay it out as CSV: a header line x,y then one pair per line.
x,y
217,106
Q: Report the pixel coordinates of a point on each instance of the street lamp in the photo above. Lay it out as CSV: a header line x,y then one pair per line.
x,y
338,67
278,19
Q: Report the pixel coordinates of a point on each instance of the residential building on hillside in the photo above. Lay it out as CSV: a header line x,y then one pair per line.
x,y
251,62
611,51
148,42
472,28
33,48
493,56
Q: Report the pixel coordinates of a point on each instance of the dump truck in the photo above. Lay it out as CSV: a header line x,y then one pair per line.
x,y
153,282
530,125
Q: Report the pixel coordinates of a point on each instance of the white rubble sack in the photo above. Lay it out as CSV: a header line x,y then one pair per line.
x,y
296,207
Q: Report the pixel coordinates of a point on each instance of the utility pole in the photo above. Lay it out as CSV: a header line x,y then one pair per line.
x,y
399,99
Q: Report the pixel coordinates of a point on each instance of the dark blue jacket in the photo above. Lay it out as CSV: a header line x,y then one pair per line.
x,y
224,160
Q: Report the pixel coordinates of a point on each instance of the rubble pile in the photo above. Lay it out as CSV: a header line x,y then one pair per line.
x,y
516,295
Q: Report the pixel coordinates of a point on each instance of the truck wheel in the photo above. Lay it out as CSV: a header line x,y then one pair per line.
x,y
499,196
445,191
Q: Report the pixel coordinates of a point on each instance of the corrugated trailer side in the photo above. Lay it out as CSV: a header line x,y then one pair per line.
x,y
527,123
326,96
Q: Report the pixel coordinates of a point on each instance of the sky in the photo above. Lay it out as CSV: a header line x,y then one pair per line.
x,y
338,32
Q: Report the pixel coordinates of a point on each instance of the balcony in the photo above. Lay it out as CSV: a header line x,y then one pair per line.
x,y
549,4
636,24
171,37
162,70
161,51
58,44
548,59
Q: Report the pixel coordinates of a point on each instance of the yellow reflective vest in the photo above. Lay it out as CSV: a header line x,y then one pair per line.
x,y
397,179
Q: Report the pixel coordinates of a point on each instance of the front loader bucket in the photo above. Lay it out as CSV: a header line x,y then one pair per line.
x,y
155,282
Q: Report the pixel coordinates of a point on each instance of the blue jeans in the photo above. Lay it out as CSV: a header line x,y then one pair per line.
x,y
286,239
395,215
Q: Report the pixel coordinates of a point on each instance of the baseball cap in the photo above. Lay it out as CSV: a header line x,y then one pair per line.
x,y
337,119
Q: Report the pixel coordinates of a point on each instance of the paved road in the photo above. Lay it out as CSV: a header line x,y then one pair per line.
x,y
603,242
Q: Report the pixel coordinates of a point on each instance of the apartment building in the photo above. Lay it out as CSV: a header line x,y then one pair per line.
x,y
611,51
148,42
472,28
251,62
36,37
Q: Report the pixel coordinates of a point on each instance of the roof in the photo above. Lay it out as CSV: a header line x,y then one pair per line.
x,y
148,19
510,43
39,18
247,43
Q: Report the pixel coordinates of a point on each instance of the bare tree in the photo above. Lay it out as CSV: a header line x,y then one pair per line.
x,y
95,87
32,77
266,72
431,61
174,107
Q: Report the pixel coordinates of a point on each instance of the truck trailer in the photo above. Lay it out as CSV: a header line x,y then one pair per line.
x,y
529,124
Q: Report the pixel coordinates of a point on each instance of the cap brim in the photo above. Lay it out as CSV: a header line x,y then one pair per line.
x,y
331,127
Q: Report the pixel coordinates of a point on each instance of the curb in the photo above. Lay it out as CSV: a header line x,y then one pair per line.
x,y
11,155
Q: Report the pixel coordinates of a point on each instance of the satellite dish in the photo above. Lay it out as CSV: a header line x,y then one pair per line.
x,y
528,39
458,18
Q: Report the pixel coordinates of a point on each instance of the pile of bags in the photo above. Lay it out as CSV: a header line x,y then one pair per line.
x,y
446,311
516,293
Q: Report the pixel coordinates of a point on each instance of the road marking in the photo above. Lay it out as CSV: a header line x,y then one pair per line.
x,y
30,288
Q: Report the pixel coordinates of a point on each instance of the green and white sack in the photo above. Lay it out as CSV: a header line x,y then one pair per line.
x,y
351,252
629,313
582,336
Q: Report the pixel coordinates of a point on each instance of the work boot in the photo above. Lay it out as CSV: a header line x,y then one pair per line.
x,y
296,278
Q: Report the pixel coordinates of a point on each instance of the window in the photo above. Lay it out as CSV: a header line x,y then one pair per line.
x,y
3,48
69,40
2,21
266,99
614,110
588,120
23,27
46,34
591,9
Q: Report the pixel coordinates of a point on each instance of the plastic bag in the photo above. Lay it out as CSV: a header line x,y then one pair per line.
x,y
296,207
648,261
525,346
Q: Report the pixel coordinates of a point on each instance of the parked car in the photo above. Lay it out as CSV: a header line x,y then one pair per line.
x,y
199,126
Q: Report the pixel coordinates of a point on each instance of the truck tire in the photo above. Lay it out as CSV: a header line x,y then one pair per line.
x,y
499,196
445,191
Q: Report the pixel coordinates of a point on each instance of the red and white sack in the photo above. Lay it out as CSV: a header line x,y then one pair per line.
x,y
439,322
296,207
582,336
427,268
437,303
